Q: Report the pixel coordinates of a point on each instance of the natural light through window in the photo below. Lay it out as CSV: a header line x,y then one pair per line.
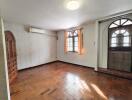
x,y
72,41
121,22
97,89
120,36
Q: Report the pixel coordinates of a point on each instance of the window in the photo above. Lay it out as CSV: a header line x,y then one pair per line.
x,y
120,36
73,41
121,22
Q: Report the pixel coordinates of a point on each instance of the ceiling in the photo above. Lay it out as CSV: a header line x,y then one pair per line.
x,y
53,15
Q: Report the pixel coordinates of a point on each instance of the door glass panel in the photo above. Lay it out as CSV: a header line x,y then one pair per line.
x,y
123,21
117,22
113,40
126,39
128,23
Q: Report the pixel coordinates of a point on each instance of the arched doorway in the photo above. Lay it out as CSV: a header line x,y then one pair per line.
x,y
120,45
11,56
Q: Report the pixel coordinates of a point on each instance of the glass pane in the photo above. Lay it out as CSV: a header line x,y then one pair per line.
x,y
117,22
126,34
76,44
123,20
126,40
128,23
113,45
123,31
76,49
114,35
70,40
120,38
113,25
69,33
126,44
75,33
76,39
117,32
69,44
113,40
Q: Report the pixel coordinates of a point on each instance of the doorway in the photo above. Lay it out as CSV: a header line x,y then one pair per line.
x,y
11,56
120,45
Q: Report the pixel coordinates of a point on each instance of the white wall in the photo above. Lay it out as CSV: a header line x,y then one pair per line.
x,y
33,49
89,56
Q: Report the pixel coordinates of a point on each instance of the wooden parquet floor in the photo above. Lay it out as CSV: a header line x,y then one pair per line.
x,y
62,81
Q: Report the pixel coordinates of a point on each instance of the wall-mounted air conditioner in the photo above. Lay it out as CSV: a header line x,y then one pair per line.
x,y
36,30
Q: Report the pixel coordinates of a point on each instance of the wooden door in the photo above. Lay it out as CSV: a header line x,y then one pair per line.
x,y
11,56
120,55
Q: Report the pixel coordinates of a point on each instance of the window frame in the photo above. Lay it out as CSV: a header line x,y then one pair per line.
x,y
73,40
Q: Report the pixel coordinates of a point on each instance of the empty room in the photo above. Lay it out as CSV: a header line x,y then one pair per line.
x,y
65,49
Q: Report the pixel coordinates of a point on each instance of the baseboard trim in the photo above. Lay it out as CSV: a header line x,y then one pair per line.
x,y
118,74
38,65
102,70
75,64
55,62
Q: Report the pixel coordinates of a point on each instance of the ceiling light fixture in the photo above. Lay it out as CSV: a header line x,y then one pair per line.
x,y
73,5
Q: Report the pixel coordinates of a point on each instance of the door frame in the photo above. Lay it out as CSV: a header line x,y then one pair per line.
x,y
108,48
14,41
